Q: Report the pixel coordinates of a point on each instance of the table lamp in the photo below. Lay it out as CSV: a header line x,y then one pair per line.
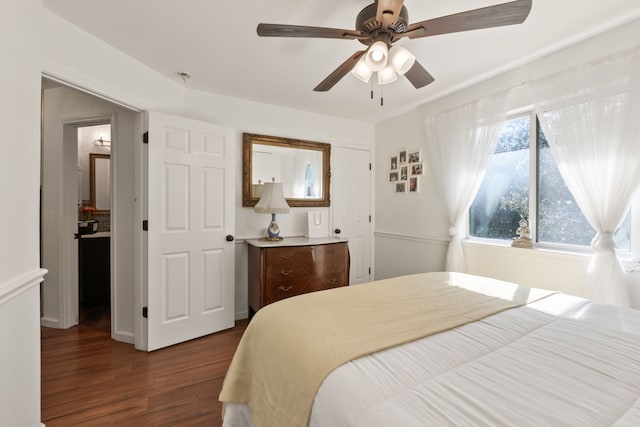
x,y
272,201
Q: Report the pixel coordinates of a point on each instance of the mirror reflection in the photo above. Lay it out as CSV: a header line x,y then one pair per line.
x,y
299,170
301,166
100,193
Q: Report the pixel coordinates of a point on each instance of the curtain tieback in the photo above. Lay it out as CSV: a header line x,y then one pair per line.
x,y
452,232
603,242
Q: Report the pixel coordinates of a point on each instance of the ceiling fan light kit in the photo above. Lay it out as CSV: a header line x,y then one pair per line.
x,y
362,71
376,56
387,75
384,22
388,63
401,59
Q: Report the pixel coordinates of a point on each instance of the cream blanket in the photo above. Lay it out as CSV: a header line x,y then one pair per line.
x,y
291,346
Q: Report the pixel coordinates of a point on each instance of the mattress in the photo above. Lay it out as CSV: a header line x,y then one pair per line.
x,y
560,361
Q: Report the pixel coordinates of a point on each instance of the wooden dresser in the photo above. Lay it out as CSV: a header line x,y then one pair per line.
x,y
294,266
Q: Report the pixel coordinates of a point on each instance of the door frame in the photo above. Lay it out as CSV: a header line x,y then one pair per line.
x,y
141,152
68,295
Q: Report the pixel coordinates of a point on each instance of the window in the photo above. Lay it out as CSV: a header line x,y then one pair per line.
x,y
523,181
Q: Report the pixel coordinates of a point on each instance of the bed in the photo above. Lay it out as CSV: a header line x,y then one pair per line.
x,y
506,355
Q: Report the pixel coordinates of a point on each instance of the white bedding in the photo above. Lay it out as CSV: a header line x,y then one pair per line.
x,y
561,361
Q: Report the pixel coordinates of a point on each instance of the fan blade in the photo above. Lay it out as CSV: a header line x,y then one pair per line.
x,y
511,13
339,72
278,30
388,11
418,76
413,34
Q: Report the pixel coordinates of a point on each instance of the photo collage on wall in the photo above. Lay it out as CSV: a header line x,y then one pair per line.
x,y
405,170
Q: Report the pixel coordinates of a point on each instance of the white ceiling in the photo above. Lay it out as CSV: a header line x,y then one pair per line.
x,y
216,43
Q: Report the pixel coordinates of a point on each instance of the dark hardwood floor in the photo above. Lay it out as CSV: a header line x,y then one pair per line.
x,y
90,380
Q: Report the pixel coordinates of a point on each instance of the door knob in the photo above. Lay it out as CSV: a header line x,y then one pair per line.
x,y
229,238
337,231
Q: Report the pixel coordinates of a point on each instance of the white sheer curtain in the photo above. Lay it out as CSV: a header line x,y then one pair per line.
x,y
459,145
591,118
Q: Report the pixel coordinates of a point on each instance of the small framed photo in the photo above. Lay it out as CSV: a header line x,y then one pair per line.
x,y
416,169
401,187
393,176
403,156
404,170
414,156
413,185
394,163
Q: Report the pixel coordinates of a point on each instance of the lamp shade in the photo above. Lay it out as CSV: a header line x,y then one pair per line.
x,y
401,59
272,199
362,70
376,56
387,75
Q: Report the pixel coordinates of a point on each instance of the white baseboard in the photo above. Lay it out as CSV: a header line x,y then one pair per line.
x,y
50,322
125,337
242,315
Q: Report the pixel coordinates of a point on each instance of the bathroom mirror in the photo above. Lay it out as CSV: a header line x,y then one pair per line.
x,y
301,166
100,182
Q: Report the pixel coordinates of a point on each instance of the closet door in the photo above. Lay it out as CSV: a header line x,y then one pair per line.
x,y
351,210
191,259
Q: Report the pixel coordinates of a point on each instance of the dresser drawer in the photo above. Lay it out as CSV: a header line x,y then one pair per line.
x,y
288,263
330,280
287,271
332,259
334,252
279,272
281,289
287,256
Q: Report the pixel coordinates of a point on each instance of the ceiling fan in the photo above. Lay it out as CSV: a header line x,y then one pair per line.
x,y
383,23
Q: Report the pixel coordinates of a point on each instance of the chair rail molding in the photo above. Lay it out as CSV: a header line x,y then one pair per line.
x,y
398,236
10,290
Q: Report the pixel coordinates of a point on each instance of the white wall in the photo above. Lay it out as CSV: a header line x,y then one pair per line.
x,y
421,216
72,55
409,234
64,105
19,192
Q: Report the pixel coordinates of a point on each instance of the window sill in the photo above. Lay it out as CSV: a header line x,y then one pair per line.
x,y
541,250
537,248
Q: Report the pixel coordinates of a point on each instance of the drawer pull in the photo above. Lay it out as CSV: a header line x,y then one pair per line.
x,y
333,281
286,272
285,288
286,256
330,251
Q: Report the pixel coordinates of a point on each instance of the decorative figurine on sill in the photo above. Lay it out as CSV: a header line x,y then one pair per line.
x,y
524,236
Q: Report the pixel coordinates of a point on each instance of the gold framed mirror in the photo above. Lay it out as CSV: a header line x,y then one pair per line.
x,y
303,168
100,182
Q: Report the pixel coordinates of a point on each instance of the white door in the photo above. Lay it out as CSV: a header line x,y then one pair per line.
x,y
351,200
191,183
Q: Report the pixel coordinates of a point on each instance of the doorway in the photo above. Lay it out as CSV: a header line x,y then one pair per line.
x,y
66,112
94,226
